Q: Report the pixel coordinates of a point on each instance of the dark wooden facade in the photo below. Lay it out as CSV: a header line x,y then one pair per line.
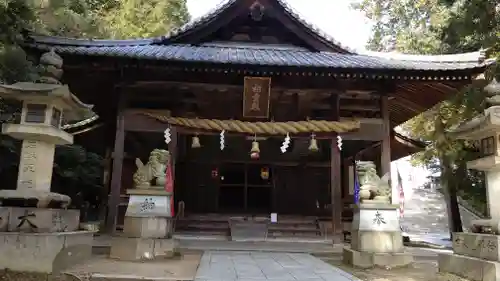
x,y
198,71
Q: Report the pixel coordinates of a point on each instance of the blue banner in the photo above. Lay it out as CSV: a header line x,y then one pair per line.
x,y
356,186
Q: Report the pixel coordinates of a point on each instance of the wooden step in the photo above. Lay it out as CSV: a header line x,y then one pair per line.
x,y
287,227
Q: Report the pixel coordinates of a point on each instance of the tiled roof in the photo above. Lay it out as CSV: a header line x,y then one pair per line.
x,y
243,54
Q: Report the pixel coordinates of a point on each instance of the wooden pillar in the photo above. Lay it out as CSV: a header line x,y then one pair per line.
x,y
385,153
116,174
172,149
335,180
103,205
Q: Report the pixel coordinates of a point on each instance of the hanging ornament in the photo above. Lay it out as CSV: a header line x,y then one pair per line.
x,y
168,136
222,140
195,143
215,173
255,151
264,173
286,143
339,142
313,145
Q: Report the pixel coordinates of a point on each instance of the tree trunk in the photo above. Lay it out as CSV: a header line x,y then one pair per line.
x,y
450,190
448,182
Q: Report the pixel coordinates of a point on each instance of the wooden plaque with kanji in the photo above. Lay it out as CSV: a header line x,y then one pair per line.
x,y
256,97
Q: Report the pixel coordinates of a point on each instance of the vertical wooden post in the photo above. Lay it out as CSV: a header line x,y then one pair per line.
x,y
385,154
172,149
335,180
106,184
116,174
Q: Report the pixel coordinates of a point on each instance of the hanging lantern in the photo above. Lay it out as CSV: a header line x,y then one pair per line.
x,y
195,142
255,151
313,145
215,173
264,173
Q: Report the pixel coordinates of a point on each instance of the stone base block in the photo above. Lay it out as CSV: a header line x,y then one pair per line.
x,y
478,245
44,252
133,249
21,219
148,227
149,205
369,260
377,241
469,267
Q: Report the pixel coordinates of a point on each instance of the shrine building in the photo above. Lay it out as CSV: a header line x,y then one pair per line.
x,y
257,71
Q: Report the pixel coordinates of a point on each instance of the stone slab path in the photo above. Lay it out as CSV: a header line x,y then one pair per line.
x,y
266,266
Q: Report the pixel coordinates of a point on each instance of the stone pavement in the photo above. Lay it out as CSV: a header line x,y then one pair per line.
x,y
263,266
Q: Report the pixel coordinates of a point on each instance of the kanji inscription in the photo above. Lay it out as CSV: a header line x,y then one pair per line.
x,y
256,97
28,167
379,219
147,205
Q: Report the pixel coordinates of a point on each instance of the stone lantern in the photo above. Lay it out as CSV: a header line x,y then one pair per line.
x,y
476,255
33,218
44,106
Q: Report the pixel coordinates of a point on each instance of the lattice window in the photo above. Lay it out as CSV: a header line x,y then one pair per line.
x,y
35,113
488,146
56,117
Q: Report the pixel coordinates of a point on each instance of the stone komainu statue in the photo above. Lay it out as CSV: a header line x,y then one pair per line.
x,y
372,187
153,173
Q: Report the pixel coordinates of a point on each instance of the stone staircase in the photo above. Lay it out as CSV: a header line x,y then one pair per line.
x,y
426,218
203,225
289,226
218,225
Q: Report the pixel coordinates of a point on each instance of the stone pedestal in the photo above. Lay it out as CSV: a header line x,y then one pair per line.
x,y
37,220
475,257
148,227
376,238
44,252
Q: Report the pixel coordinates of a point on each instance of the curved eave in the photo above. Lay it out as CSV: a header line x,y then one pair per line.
x,y
477,57
249,56
413,143
81,123
83,126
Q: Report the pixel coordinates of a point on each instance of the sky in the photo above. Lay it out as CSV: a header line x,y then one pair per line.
x,y
335,17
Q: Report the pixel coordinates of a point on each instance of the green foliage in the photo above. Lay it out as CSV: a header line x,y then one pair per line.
x,y
77,172
145,18
409,26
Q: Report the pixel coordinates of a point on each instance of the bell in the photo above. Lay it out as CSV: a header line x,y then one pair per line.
x,y
195,142
255,151
255,147
313,145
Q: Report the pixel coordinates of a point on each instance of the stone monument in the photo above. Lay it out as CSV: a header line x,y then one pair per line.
x,y
38,232
376,238
148,226
476,254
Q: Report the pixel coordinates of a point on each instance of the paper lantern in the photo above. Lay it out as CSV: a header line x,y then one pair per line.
x,y
264,173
